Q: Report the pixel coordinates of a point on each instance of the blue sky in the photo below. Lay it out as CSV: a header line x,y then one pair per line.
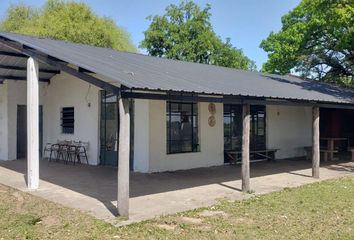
x,y
246,22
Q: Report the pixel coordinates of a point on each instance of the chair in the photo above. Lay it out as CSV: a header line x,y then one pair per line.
x,y
62,152
47,148
82,151
72,153
51,149
54,150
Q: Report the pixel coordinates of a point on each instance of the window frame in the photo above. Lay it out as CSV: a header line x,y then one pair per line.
x,y
257,141
195,145
67,127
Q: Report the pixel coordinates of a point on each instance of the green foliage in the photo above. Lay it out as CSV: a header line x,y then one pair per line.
x,y
69,21
184,32
316,39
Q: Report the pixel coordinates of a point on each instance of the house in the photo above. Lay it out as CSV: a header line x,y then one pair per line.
x,y
149,114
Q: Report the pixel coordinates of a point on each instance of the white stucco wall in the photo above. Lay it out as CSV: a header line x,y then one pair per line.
x,y
17,95
141,135
63,91
13,93
211,141
67,91
289,129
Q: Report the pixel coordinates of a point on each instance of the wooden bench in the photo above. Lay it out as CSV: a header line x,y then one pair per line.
x,y
325,153
266,154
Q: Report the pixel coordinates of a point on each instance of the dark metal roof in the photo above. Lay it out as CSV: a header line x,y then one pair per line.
x,y
14,67
139,71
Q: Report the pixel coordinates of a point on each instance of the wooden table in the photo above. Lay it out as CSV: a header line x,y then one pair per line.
x,y
330,144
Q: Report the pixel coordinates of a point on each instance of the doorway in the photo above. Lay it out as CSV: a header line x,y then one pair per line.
x,y
233,128
109,126
109,130
21,144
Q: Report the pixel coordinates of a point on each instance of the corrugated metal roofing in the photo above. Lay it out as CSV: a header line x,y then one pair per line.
x,y
20,63
146,72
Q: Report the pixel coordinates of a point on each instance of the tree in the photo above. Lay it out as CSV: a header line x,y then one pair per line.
x,y
184,32
68,21
316,40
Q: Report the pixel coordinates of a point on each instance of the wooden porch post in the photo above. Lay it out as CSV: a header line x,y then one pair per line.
x,y
246,148
32,124
315,142
123,158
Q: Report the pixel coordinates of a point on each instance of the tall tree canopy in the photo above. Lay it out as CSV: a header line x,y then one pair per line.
x,y
316,39
184,32
69,21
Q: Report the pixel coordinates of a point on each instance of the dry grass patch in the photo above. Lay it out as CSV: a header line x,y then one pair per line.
x,y
322,210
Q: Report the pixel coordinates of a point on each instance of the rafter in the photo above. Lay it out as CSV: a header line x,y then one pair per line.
x,y
63,66
8,67
17,78
12,54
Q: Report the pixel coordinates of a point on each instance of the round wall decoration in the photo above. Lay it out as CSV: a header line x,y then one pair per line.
x,y
212,108
211,121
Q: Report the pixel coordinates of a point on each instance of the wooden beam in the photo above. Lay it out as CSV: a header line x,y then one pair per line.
x,y
17,78
123,158
315,142
246,117
12,54
41,70
175,97
32,124
185,96
88,78
74,72
57,63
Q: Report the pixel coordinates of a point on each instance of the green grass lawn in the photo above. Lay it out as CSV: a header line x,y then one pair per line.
x,y
318,211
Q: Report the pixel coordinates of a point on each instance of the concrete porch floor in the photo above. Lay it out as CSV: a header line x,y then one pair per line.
x,y
93,188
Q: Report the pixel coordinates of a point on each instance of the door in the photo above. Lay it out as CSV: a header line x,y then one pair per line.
x,y
109,129
22,131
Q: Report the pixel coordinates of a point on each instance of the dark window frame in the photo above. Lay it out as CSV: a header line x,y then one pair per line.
x,y
194,141
68,120
258,129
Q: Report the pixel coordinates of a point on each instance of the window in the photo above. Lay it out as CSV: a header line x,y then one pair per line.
x,y
67,120
233,127
182,127
258,127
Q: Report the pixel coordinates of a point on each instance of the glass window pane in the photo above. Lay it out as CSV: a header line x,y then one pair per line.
x,y
174,107
186,146
258,127
195,109
182,127
186,108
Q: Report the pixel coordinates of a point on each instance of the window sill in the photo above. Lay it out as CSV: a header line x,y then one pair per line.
x,y
182,153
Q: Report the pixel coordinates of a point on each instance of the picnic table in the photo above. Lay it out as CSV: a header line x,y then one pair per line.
x,y
331,146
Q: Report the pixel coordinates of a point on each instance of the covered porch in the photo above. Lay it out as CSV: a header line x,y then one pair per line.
x,y
155,83
93,189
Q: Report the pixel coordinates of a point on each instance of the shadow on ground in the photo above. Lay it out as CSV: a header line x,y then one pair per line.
x,y
101,182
